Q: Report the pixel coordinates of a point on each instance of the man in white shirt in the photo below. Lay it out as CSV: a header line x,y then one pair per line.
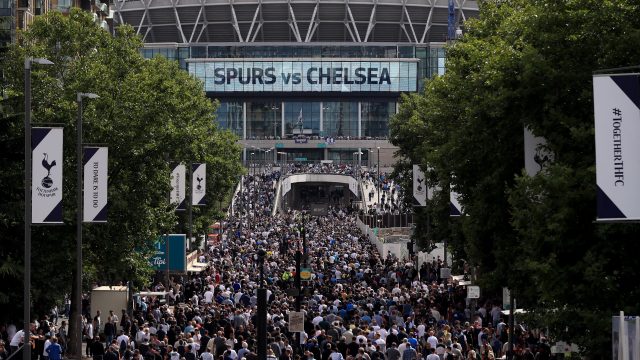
x,y
206,355
208,296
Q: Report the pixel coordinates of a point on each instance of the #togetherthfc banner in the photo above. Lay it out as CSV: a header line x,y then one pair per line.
x,y
95,161
312,75
198,184
178,193
616,100
46,165
419,186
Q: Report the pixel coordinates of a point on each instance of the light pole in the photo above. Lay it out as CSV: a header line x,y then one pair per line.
x,y
262,308
274,108
26,355
378,171
78,334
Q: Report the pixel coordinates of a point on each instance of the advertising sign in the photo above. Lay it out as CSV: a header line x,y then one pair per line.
x,y
616,101
46,180
198,184
95,184
306,75
419,186
170,253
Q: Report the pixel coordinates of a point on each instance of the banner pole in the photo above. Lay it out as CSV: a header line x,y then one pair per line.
x,y
190,207
78,334
27,206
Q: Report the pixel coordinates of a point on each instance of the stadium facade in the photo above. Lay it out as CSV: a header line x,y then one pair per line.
x,y
309,79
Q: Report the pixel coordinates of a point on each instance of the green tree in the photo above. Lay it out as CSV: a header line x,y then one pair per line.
x,y
529,63
150,113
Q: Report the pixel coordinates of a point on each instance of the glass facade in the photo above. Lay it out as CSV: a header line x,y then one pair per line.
x,y
277,114
230,116
264,119
375,118
305,113
340,119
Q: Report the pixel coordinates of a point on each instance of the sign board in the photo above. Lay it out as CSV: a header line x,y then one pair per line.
x,y
170,253
296,321
445,273
473,292
306,75
305,274
616,102
301,140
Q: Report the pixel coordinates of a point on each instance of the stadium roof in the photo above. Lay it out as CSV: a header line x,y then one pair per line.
x,y
296,21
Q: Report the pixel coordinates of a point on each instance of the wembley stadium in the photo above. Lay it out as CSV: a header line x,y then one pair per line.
x,y
303,80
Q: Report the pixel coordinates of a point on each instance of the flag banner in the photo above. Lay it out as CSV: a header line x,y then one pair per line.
x,y
536,155
419,186
198,184
178,194
95,160
46,180
170,253
455,207
616,101
353,186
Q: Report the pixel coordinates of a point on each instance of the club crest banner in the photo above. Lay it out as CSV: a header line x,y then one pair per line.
x,y
95,160
46,180
419,186
198,184
616,101
178,194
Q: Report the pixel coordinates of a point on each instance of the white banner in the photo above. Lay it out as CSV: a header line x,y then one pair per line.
x,y
455,207
536,156
353,186
178,194
419,186
46,164
95,161
616,100
198,184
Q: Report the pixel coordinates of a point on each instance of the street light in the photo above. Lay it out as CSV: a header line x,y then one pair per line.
x,y
262,307
274,108
78,335
378,170
26,355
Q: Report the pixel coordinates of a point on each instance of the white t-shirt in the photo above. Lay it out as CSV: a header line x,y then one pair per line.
x,y
206,356
17,338
433,341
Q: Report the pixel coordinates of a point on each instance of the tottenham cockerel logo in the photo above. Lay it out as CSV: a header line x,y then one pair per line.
x,y
47,182
419,184
199,186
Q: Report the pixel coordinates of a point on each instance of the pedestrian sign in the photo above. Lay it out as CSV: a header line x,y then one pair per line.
x,y
473,292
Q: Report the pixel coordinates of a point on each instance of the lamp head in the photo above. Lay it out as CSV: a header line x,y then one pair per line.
x,y
82,95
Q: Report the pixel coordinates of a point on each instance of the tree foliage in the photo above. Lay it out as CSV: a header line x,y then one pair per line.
x,y
529,63
150,113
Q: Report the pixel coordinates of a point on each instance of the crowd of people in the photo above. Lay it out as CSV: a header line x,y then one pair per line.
x,y
357,304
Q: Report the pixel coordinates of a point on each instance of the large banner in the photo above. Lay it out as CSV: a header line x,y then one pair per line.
x,y
616,100
46,180
198,184
95,161
419,186
170,253
455,207
307,75
178,193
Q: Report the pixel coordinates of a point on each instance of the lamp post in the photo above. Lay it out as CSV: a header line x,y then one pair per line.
x,y
27,198
274,108
262,308
378,171
78,334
